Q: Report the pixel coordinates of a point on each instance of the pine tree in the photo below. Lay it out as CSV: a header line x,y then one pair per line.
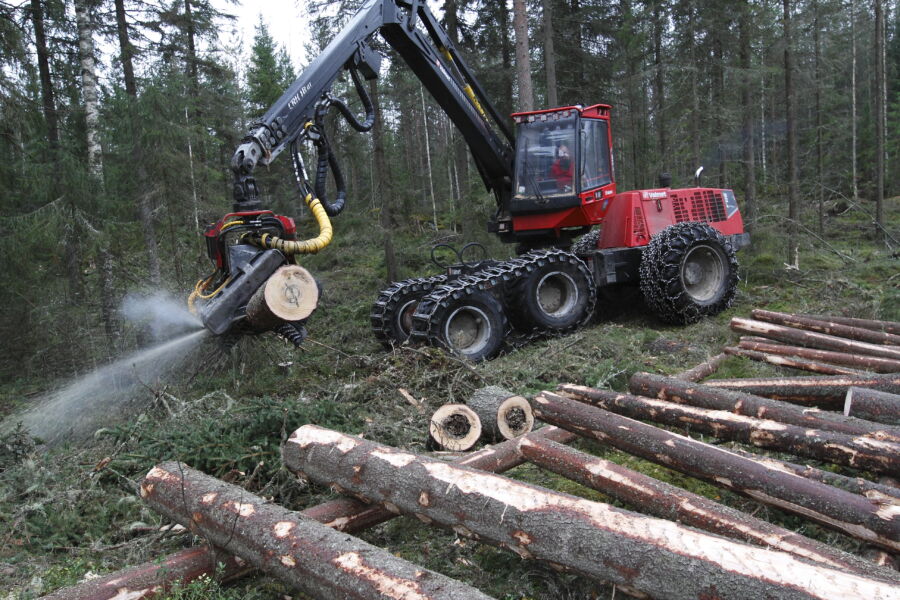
x,y
269,73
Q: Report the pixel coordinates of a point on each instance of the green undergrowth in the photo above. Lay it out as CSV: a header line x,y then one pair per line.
x,y
72,512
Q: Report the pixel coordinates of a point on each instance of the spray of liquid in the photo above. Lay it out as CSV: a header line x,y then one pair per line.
x,y
116,391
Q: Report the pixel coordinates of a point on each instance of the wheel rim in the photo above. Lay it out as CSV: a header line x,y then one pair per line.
x,y
556,294
703,273
404,318
468,330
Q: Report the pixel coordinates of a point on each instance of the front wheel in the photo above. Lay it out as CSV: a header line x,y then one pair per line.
x,y
688,271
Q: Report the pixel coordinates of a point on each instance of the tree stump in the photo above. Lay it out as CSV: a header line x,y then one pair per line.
x,y
503,414
454,427
290,294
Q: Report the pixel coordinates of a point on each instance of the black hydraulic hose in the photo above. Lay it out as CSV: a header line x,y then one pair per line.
x,y
367,105
326,159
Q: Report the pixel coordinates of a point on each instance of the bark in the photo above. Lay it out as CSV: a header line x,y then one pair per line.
x,y
703,396
523,60
703,370
503,414
820,170
383,190
455,427
89,89
126,49
792,362
667,501
549,55
747,106
854,515
859,452
300,551
873,405
589,538
660,22
793,231
823,391
879,118
812,338
48,99
108,312
885,326
343,514
868,363
853,175
828,327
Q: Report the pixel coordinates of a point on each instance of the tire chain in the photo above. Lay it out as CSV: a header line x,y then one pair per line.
x,y
506,273
388,301
660,272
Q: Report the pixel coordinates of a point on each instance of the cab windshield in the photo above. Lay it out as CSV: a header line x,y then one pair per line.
x,y
545,159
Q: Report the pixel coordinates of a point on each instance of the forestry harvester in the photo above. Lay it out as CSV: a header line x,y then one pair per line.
x,y
553,181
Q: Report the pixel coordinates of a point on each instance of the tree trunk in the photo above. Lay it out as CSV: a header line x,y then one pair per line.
x,y
506,58
879,119
823,391
660,23
853,451
590,538
792,362
885,326
48,100
750,211
704,369
854,515
654,497
867,363
126,49
289,294
549,55
108,313
89,89
523,58
739,403
307,555
873,405
383,191
455,427
793,231
812,339
824,325
820,169
853,174
503,414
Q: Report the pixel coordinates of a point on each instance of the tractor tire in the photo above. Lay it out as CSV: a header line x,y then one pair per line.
x,y
557,296
586,245
688,271
391,315
473,326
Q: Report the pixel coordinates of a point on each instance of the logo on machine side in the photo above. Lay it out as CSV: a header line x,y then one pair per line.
x,y
299,95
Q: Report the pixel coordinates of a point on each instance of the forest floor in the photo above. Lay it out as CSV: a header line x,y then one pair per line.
x,y
73,511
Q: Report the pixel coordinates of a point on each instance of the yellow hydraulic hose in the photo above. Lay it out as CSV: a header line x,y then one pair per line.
x,y
310,246
466,88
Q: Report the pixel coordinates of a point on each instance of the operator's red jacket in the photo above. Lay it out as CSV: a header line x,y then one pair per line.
x,y
563,176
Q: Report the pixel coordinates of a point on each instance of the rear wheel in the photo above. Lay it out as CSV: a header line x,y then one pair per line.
x,y
688,271
392,313
473,326
558,295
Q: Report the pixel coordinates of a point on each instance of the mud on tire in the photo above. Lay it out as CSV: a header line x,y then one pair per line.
x,y
688,271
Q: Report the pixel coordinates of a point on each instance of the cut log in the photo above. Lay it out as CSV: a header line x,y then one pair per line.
x,y
860,361
812,339
649,495
704,369
886,326
792,362
503,414
874,405
832,507
826,326
344,514
827,391
590,538
290,294
705,396
454,427
875,492
300,551
859,452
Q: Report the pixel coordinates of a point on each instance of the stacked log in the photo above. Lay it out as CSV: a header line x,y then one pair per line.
x,y
704,369
593,539
874,405
858,361
853,451
830,327
823,391
300,551
792,362
849,513
812,339
503,415
886,326
454,427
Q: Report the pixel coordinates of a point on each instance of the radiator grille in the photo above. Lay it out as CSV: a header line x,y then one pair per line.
x,y
706,206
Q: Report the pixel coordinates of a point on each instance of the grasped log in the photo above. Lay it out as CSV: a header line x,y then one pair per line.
x,y
290,294
705,396
503,414
824,391
455,427
792,362
873,405
876,492
704,369
344,514
300,551
854,515
827,326
590,538
649,495
812,339
886,326
858,452
860,361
